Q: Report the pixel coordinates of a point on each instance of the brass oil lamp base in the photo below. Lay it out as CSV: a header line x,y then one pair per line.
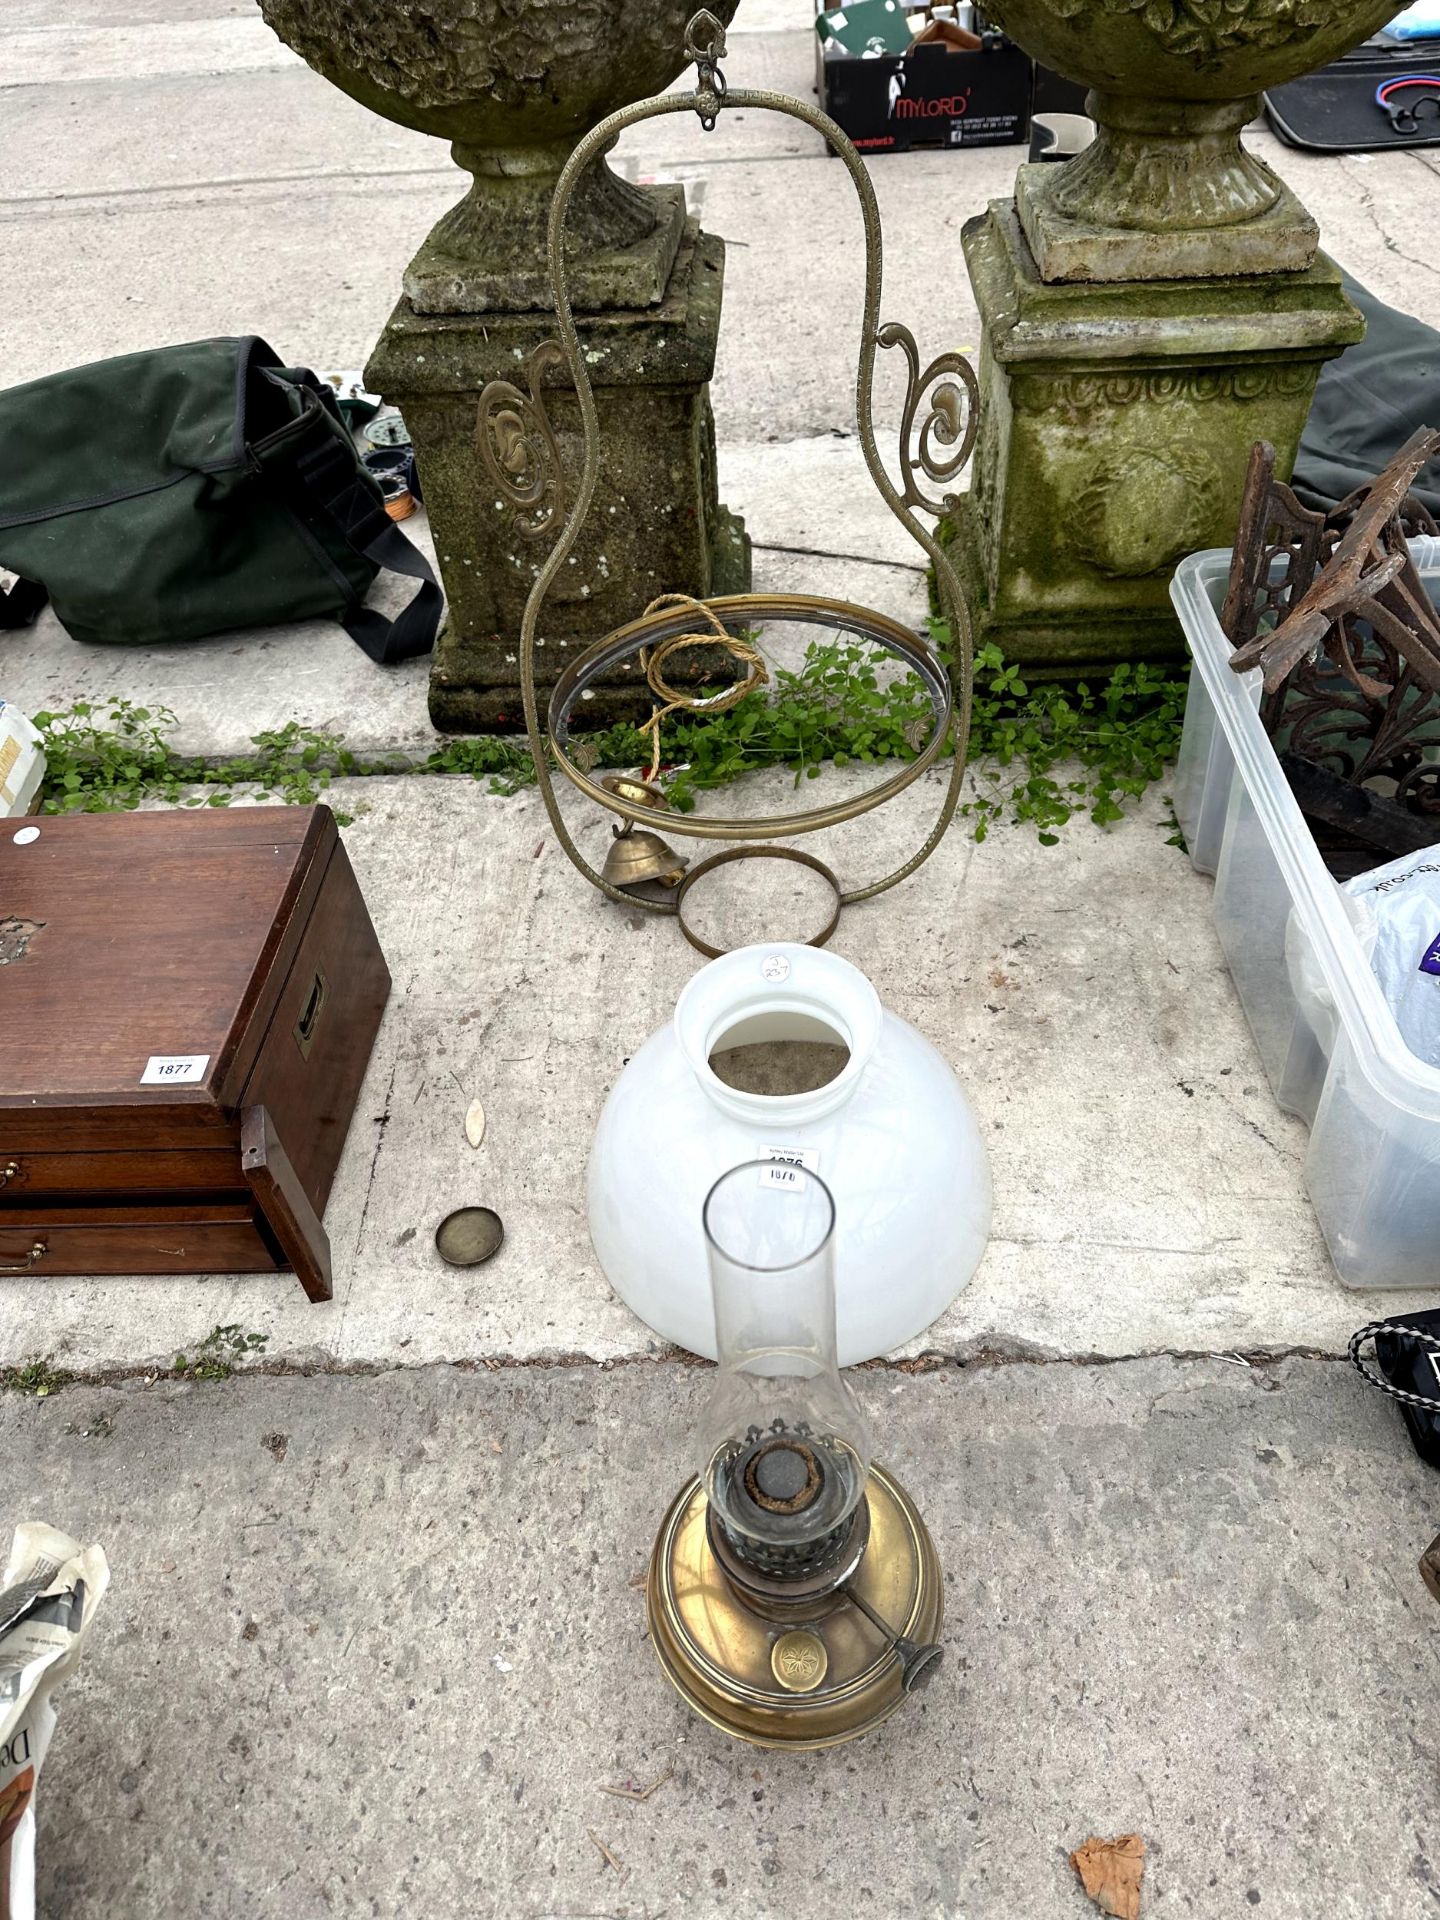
x,y
801,1662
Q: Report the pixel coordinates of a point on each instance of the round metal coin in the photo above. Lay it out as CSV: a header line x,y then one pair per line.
x,y
469,1236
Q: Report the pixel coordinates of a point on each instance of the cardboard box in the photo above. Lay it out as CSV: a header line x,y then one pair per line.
x,y
931,95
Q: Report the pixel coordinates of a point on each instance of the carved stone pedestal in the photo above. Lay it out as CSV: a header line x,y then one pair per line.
x,y
656,526
515,85
1116,425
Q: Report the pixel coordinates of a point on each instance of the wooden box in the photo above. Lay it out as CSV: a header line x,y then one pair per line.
x,y
188,1001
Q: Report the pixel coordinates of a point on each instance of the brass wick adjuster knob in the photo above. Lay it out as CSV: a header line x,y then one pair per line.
x,y
918,1663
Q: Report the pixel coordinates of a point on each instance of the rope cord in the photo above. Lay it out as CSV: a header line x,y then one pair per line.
x,y
653,660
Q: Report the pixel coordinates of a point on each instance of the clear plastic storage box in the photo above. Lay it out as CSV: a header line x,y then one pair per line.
x,y
1330,1045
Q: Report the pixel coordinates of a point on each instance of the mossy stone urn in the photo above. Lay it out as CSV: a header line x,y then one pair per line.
x,y
1150,309
514,85
1173,82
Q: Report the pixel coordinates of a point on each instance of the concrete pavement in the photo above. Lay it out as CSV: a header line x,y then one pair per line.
x,y
375,1648
1149,1194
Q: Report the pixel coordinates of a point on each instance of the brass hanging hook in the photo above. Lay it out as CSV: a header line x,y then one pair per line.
x,y
705,46
522,461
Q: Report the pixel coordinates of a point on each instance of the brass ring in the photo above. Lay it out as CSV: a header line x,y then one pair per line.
x,y
653,629
723,859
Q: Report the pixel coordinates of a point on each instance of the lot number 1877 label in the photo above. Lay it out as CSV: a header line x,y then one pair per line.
x,y
174,1069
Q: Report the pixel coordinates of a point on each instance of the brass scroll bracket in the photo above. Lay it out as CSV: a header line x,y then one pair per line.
x,y
939,442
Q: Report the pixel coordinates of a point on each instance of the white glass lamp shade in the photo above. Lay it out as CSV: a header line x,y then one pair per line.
x,y
892,1136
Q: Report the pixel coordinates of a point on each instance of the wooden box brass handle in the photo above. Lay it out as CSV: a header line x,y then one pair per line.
x,y
310,1013
8,1172
35,1255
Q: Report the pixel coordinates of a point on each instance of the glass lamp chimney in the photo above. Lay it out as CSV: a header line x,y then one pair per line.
x,y
785,1450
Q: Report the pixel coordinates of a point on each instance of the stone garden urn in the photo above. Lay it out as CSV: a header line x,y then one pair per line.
x,y
1150,308
513,85
1167,190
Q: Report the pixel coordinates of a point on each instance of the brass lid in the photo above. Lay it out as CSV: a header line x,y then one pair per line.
x,y
640,793
811,1677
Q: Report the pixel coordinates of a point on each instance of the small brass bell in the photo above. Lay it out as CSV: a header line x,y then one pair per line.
x,y
637,855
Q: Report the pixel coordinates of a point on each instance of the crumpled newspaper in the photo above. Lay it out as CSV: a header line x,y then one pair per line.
x,y
48,1596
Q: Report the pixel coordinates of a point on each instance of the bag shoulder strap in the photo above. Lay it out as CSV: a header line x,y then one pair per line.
x,y
329,473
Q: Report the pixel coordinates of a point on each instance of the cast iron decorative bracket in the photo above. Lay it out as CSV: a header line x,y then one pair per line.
x,y
1332,609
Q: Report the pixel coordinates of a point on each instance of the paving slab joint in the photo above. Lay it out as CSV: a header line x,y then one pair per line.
x,y
981,1359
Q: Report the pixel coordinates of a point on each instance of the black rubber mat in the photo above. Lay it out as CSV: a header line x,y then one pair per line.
x,y
1334,110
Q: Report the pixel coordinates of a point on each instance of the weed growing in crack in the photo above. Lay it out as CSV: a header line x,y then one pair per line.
x,y
38,1378
103,760
1040,754
1044,753
219,1353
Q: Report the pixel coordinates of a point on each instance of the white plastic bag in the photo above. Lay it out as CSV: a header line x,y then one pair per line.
x,y
1396,910
51,1588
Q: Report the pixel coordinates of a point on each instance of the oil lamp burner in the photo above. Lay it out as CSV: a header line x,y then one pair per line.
x,y
794,1595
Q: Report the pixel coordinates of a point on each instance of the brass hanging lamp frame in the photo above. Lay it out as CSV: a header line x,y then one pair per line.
x,y
521,457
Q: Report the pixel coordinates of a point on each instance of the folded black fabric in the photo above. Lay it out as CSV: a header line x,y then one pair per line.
x,y
1367,404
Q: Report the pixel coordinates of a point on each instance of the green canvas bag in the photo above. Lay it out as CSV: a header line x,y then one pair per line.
x,y
176,493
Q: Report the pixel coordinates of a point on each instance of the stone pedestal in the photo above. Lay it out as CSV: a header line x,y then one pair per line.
x,y
656,525
1281,239
1116,425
